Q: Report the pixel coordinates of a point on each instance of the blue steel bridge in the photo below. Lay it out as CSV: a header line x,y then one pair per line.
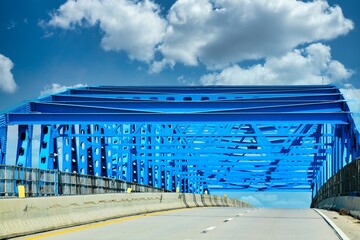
x,y
253,138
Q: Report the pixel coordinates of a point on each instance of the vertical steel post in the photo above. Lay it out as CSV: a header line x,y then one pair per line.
x,y
96,150
46,154
24,151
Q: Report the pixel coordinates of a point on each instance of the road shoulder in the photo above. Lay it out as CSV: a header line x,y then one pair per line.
x,y
349,225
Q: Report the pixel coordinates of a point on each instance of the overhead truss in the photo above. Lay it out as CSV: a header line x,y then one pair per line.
x,y
188,138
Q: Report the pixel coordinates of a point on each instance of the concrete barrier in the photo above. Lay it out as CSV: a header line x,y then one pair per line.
x,y
191,200
346,203
208,202
26,216
215,200
198,200
230,202
32,215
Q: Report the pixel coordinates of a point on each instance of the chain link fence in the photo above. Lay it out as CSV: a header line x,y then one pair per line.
x,y
345,183
40,183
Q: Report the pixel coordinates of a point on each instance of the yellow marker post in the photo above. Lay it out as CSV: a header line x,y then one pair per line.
x,y
206,192
129,190
177,189
225,196
21,191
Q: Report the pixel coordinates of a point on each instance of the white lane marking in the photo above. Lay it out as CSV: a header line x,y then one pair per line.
x,y
228,220
247,211
209,229
333,225
240,214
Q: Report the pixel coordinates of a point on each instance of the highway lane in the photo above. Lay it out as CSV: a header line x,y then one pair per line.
x,y
206,223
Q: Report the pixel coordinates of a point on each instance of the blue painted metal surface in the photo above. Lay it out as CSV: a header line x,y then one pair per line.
x,y
192,138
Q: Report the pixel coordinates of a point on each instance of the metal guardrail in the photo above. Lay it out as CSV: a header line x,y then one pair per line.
x,y
40,183
345,183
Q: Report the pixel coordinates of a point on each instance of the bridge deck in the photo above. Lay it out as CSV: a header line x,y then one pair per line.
x,y
207,223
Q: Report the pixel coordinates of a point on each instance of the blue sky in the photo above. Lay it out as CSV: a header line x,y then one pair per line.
x,y
46,46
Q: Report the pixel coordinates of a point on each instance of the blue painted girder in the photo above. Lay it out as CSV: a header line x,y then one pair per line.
x,y
189,107
61,98
192,138
148,118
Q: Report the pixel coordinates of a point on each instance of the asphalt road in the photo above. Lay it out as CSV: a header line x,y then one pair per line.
x,y
206,223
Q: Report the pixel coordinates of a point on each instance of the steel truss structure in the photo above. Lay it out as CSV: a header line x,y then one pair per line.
x,y
189,138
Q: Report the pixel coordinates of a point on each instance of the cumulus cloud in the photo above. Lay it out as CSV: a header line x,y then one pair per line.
x,y
56,88
131,26
219,33
311,65
7,82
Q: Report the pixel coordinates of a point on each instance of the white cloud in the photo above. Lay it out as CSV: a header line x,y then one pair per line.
x,y
187,81
352,95
189,30
220,33
56,88
272,199
11,25
311,65
158,66
7,82
279,200
132,26
48,34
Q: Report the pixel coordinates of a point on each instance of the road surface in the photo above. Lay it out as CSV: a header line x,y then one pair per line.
x,y
205,223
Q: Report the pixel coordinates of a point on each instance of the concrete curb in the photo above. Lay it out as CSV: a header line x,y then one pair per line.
x,y
338,231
